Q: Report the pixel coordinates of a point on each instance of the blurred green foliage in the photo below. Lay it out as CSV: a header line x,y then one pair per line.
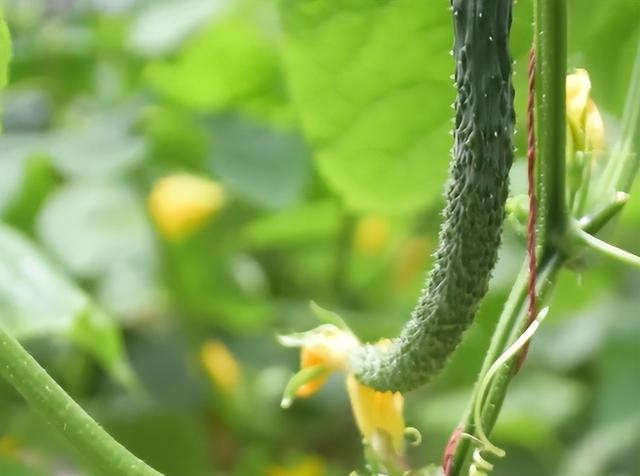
x,y
313,115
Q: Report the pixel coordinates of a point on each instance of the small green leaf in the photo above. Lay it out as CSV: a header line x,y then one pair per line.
x,y
298,380
328,317
366,77
36,299
38,179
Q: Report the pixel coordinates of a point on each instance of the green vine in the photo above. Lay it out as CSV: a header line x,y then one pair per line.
x,y
47,398
563,237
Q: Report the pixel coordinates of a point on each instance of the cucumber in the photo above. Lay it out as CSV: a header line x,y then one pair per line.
x,y
475,205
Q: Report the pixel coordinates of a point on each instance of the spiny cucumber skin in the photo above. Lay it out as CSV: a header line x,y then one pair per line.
x,y
473,216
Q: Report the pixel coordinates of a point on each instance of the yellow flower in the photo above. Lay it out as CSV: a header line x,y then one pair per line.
x,y
586,128
9,446
309,466
181,203
379,416
222,368
371,234
327,348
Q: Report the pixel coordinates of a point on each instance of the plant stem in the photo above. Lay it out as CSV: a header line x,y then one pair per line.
x,y
550,32
605,248
594,222
623,164
509,328
550,27
46,397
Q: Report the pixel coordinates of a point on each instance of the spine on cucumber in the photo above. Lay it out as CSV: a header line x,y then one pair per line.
x,y
476,193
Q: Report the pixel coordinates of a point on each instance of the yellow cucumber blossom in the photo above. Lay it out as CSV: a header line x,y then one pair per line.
x,y
586,128
378,415
323,350
371,234
182,203
308,466
221,366
585,138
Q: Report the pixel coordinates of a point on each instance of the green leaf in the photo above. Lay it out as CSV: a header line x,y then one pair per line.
x,y
298,380
38,180
5,54
229,61
5,51
367,81
16,150
293,226
90,227
36,300
328,317
266,167
100,230
162,27
104,147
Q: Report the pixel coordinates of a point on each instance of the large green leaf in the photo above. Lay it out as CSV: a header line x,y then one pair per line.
x,y
267,167
228,62
92,226
100,231
36,300
369,80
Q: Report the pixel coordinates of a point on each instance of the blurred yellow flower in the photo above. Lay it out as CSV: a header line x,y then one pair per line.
x,y
326,347
182,203
220,365
9,446
309,466
371,234
379,416
586,128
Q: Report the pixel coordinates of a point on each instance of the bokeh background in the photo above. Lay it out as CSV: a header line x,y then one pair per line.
x,y
169,339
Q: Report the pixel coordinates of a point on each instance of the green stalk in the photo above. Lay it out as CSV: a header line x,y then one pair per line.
x,y
605,248
558,232
509,328
550,32
47,398
623,164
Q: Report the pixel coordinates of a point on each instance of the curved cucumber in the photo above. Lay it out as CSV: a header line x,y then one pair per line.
x,y
474,213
